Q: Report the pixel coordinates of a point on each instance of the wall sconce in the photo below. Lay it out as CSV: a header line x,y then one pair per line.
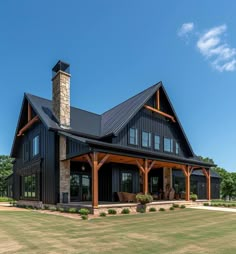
x,y
83,168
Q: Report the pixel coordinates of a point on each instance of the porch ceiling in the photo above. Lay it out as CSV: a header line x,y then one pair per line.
x,y
113,158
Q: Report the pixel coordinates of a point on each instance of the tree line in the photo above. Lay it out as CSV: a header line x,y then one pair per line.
x,y
5,171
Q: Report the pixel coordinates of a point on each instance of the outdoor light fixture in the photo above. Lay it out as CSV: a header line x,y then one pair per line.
x,y
83,167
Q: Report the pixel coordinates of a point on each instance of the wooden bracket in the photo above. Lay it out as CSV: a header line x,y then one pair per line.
x,y
160,112
28,125
91,158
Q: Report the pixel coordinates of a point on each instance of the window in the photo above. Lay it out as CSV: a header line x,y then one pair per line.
x,y
168,145
157,142
25,151
29,186
177,148
35,148
154,184
146,139
126,182
133,136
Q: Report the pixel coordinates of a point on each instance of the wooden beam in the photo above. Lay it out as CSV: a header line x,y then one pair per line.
x,y
145,177
208,181
160,112
89,160
103,160
95,180
151,166
28,125
140,166
158,99
29,112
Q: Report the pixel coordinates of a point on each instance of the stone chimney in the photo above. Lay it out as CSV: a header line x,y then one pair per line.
x,y
61,93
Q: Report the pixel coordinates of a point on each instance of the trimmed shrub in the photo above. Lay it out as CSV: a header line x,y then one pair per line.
x,y
125,211
182,206
206,204
162,209
152,209
52,208
144,198
176,205
193,197
172,208
102,214
84,217
141,210
73,210
112,211
61,209
83,211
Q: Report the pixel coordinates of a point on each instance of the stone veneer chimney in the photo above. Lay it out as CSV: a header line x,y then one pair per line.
x,y
61,109
61,93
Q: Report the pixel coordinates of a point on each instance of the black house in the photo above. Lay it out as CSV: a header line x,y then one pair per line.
x,y
66,154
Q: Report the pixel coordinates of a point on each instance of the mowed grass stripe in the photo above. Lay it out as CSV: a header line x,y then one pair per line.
x,y
179,231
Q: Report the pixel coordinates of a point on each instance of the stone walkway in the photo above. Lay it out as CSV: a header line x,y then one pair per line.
x,y
222,209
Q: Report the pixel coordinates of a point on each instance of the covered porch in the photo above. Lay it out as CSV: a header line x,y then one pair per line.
x,y
99,161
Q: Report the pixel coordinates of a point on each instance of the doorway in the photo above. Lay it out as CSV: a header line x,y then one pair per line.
x,y
80,187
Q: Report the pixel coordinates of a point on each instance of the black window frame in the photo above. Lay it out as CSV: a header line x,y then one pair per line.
x,y
29,186
135,137
149,139
177,148
171,145
123,187
154,142
38,151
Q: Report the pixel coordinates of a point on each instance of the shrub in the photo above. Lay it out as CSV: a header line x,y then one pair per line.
x,y
141,209
176,205
152,209
112,211
83,211
61,209
102,214
73,210
84,217
125,211
172,208
162,209
52,208
5,199
206,204
182,206
144,198
193,197
45,207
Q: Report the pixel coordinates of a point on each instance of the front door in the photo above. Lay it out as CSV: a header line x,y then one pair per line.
x,y
80,187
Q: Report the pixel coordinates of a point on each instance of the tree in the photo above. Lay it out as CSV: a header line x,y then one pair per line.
x,y
5,171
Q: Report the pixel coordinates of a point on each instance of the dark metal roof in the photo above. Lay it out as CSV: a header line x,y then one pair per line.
x,y
82,121
196,173
135,151
116,118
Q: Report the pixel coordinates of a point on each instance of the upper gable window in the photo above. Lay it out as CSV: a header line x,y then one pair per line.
x,y
168,145
146,139
133,136
35,146
177,148
157,142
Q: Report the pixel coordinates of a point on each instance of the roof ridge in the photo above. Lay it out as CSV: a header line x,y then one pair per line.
x,y
131,97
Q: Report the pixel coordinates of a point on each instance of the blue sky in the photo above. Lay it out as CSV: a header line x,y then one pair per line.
x,y
118,48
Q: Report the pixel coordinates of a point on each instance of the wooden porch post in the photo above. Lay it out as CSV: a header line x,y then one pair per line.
x,y
208,181
187,172
95,166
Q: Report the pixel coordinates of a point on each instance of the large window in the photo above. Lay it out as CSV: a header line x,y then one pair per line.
x,y
157,142
29,186
168,145
133,136
126,182
153,184
146,139
177,148
35,146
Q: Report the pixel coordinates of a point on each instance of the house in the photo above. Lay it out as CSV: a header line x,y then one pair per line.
x,y
65,154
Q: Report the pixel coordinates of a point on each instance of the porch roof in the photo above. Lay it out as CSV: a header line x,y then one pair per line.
x,y
117,149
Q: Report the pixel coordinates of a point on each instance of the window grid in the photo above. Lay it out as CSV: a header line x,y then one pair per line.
x,y
146,139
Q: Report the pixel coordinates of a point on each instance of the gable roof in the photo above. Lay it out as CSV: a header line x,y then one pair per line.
x,y
96,126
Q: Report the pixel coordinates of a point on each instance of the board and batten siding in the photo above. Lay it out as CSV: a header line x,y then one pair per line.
x,y
148,121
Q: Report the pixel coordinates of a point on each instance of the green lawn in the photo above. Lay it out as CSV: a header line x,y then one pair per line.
x,y
180,231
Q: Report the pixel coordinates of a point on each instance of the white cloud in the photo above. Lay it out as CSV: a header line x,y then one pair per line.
x,y
185,29
213,47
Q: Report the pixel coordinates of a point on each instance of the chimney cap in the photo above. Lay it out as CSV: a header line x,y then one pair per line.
x,y
61,66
